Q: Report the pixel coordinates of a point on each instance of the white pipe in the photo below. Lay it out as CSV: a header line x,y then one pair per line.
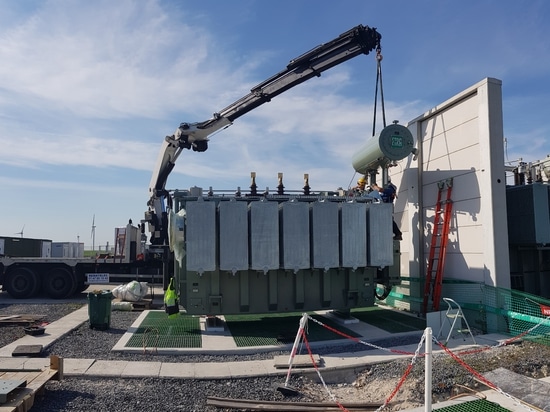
x,y
428,374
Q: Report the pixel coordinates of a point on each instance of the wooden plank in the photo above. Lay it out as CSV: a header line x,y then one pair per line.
x,y
17,319
41,379
56,363
4,318
142,304
279,406
22,401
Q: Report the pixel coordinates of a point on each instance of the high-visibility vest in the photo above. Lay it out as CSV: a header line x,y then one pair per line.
x,y
171,304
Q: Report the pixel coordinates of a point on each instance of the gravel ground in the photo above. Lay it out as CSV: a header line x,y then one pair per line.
x,y
373,384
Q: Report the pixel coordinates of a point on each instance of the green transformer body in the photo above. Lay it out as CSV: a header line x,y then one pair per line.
x,y
272,253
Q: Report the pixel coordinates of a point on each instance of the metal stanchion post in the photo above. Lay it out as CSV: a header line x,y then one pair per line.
x,y
428,367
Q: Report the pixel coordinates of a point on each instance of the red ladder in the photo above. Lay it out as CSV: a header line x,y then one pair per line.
x,y
438,247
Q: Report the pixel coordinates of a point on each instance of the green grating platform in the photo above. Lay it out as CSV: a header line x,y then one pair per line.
x,y
159,331
389,320
279,329
479,405
274,329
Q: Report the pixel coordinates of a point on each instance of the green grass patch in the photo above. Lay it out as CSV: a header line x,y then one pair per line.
x,y
157,330
279,329
389,320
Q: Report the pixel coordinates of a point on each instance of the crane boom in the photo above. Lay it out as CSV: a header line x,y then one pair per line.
x,y
354,42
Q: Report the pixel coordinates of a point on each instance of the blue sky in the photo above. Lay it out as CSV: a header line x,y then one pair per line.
x,y
89,90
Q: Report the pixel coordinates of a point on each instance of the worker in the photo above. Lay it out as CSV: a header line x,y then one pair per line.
x,y
360,188
388,195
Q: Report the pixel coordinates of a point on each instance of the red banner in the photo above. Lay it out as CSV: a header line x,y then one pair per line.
x,y
545,310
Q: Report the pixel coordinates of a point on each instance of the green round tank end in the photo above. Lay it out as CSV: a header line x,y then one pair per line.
x,y
395,142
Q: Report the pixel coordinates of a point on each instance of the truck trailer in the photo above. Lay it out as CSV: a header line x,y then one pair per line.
x,y
24,275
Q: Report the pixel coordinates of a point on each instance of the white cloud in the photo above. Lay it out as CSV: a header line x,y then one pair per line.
x,y
74,150
109,60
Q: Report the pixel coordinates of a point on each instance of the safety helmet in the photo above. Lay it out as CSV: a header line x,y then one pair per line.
x,y
361,181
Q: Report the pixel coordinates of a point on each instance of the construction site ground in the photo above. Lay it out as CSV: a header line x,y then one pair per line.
x,y
215,337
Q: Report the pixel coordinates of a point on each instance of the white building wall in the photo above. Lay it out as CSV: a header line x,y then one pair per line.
x,y
460,139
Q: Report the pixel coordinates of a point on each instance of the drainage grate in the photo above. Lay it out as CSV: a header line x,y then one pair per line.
x,y
479,405
158,331
279,329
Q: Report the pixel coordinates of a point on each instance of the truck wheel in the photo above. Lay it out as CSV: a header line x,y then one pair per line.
x,y
59,283
81,284
22,283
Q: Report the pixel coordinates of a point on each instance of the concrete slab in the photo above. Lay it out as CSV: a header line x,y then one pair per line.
x,y
363,329
76,367
106,368
36,363
178,370
22,363
214,338
212,370
531,391
141,369
12,363
299,361
248,369
336,317
505,401
493,339
28,350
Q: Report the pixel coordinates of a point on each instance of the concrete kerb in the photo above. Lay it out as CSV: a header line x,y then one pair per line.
x,y
54,331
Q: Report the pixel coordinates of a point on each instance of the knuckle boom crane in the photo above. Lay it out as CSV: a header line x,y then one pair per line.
x,y
283,252
354,42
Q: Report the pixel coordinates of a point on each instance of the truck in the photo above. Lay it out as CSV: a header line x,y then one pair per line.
x,y
238,252
60,276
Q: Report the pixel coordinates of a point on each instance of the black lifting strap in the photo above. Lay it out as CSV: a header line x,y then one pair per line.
x,y
378,81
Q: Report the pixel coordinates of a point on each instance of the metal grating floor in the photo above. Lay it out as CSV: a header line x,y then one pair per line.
x,y
279,329
390,320
480,405
157,330
272,329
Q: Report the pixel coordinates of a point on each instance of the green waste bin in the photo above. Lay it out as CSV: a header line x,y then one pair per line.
x,y
99,309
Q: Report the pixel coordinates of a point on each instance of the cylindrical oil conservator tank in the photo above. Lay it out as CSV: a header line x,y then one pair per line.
x,y
395,142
